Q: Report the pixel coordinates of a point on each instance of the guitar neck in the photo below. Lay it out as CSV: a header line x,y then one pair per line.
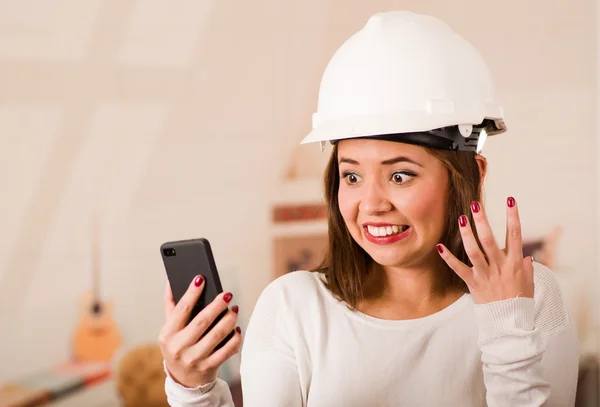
x,y
95,261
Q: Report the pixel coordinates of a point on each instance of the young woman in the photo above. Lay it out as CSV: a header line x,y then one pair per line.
x,y
416,304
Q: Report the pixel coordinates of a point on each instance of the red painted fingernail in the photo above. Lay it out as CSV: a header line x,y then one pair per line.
x,y
475,206
227,297
511,202
462,220
198,281
235,309
238,329
440,248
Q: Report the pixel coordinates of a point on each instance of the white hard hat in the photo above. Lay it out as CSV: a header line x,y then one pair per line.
x,y
408,76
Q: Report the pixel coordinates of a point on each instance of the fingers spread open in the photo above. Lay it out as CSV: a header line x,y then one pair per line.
x,y
470,243
485,234
514,239
465,272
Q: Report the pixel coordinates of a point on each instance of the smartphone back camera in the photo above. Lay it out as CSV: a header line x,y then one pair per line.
x,y
168,252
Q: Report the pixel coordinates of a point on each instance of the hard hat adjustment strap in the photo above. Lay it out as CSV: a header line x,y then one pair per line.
x,y
447,138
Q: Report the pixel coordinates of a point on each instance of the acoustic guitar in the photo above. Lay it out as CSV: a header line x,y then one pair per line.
x,y
97,337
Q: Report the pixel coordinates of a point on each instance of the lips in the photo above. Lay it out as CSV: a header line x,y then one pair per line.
x,y
386,230
385,233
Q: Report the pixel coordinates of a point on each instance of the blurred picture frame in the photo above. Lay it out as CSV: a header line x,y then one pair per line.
x,y
300,237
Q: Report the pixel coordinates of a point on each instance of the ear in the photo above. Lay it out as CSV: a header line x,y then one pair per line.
x,y
482,164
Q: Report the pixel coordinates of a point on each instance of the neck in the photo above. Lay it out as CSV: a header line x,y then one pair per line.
x,y
407,292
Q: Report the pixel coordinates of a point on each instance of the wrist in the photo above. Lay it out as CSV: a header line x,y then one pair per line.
x,y
201,386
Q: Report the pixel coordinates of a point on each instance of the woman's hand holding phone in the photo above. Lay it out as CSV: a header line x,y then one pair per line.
x,y
189,354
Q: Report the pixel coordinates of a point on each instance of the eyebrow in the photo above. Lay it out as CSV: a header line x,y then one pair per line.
x,y
391,161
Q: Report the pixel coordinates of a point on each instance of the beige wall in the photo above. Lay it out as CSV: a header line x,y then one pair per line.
x,y
177,120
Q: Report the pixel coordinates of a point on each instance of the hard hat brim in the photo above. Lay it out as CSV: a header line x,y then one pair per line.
x,y
364,126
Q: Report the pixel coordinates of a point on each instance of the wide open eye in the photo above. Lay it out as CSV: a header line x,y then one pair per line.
x,y
401,177
351,178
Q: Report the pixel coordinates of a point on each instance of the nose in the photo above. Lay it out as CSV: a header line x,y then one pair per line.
x,y
375,200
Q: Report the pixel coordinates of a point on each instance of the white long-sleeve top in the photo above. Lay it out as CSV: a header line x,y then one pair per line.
x,y
305,348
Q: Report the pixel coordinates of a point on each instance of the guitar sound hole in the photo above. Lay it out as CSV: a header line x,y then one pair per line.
x,y
96,308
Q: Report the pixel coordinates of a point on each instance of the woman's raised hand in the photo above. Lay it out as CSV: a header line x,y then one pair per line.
x,y
499,274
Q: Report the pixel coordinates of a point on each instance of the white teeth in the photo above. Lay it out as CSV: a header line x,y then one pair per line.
x,y
385,230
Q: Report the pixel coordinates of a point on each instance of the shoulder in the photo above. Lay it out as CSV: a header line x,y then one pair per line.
x,y
550,313
289,303
292,287
546,286
298,279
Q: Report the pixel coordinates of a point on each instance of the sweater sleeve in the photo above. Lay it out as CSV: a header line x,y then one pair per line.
x,y
215,394
529,348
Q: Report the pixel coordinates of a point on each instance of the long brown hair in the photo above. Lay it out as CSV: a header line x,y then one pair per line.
x,y
346,264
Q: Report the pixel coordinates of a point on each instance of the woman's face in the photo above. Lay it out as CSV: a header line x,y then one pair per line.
x,y
392,197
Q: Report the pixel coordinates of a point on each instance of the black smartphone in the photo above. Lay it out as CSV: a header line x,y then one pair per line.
x,y
184,260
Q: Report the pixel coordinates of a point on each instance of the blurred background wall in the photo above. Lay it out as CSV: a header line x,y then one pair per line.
x,y
181,119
